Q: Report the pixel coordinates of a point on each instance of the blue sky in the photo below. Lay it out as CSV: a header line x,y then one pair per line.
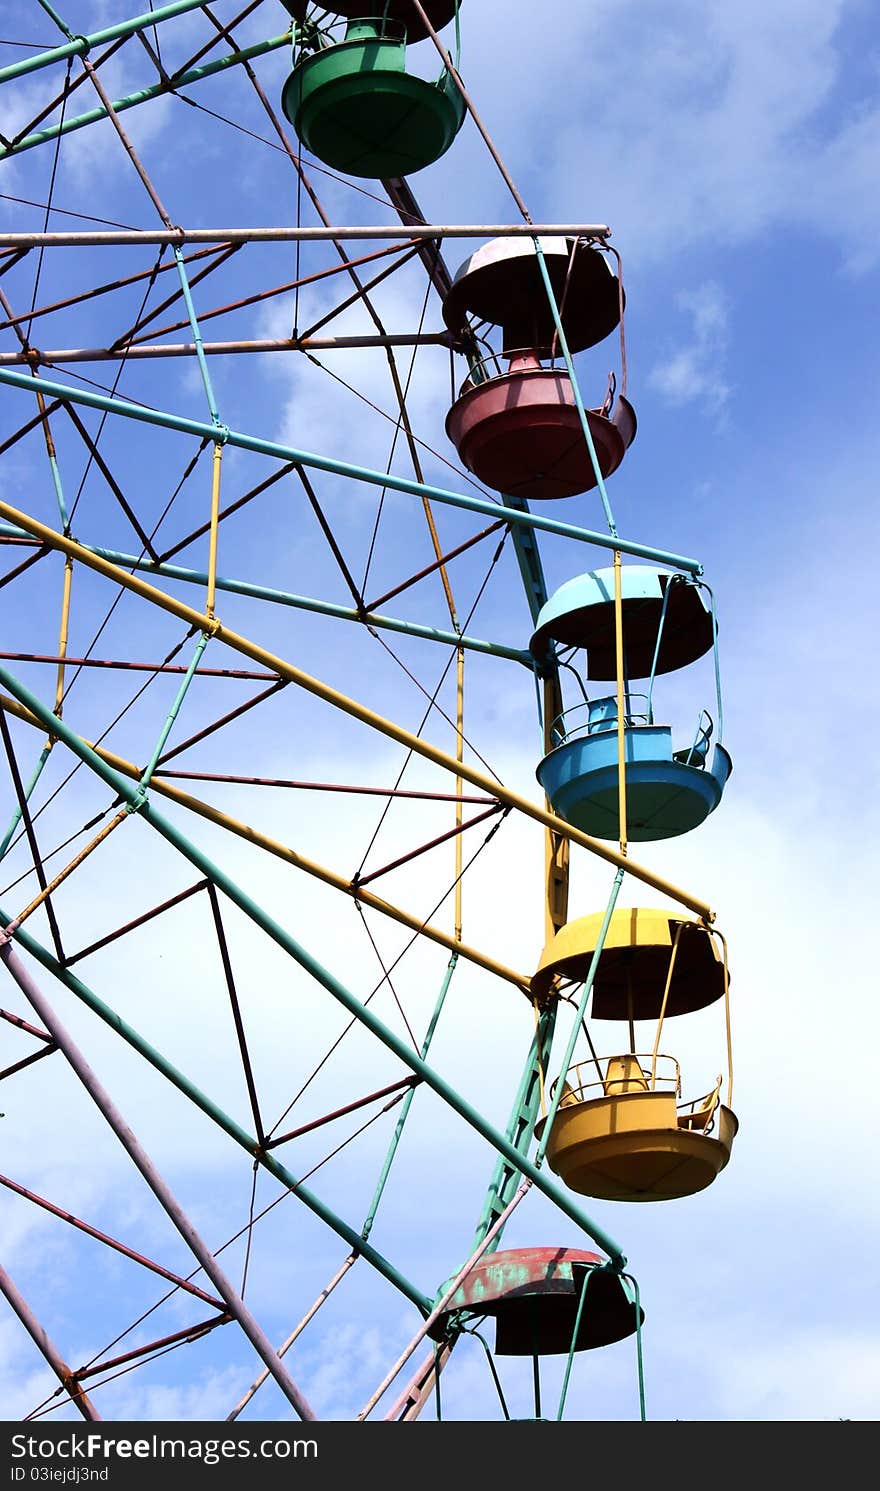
x,y
734,156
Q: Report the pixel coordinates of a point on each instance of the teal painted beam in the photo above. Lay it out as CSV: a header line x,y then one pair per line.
x,y
203,431
127,792
520,1127
142,95
408,1100
80,45
304,603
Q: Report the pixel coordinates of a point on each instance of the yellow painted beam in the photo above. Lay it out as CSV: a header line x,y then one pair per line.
x,y
341,701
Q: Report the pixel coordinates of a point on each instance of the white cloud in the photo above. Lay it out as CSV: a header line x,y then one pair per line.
x,y
694,371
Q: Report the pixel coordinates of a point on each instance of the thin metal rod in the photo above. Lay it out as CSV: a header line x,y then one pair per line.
x,y
249,674
139,921
471,108
81,1400
21,1024
318,1123
187,1333
297,1331
216,776
437,564
97,457
132,352
575,388
443,1301
233,714
110,110
110,1242
102,1100
226,512
26,1061
451,833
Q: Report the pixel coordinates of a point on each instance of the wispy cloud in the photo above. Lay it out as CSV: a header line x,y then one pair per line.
x,y
693,371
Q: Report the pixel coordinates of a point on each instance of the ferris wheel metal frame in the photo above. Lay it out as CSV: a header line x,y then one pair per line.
x,y
186,258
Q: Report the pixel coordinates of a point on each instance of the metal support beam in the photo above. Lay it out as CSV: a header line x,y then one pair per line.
x,y
101,238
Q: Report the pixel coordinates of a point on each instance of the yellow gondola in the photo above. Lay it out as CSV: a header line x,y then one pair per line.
x,y
621,1131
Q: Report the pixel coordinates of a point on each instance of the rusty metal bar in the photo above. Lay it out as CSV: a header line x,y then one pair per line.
x,y
139,350
40,553
89,662
23,1025
19,1066
31,425
92,448
437,564
138,922
471,108
215,776
126,142
188,1333
225,719
328,533
452,833
110,1242
227,512
318,1123
131,279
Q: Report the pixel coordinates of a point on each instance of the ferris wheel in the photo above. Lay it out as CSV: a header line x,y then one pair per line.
x,y
303,1040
